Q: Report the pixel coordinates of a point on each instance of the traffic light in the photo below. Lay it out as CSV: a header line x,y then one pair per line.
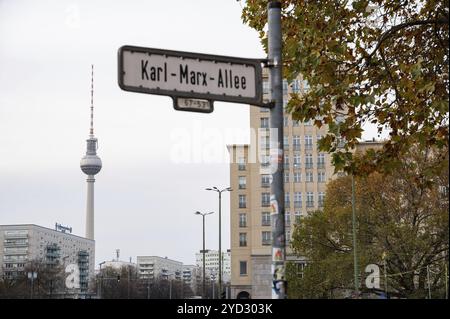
x,y
223,295
118,278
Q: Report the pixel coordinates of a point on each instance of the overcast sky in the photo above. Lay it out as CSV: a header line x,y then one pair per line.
x,y
147,192
145,196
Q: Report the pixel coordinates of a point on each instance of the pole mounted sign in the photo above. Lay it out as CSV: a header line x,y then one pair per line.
x,y
193,80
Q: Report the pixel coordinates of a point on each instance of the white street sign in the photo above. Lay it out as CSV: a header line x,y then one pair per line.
x,y
190,75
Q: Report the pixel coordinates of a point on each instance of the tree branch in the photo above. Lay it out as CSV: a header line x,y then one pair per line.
x,y
396,28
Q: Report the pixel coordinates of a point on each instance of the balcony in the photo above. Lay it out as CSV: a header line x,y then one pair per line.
x,y
265,222
286,165
296,147
265,204
308,146
309,204
242,224
321,165
309,165
241,167
266,242
242,205
15,244
242,186
297,204
265,184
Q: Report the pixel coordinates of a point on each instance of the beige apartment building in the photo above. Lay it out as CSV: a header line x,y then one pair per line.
x,y
306,172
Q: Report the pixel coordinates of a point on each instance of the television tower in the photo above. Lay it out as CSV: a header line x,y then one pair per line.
x,y
91,164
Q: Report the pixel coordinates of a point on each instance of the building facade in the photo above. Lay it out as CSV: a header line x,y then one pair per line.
x,y
192,278
155,267
306,172
212,264
22,245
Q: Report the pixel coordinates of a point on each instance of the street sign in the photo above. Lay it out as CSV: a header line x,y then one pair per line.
x,y
190,75
193,105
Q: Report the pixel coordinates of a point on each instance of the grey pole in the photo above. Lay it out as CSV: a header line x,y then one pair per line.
x,y
385,277
204,261
277,153
446,280
428,281
228,189
355,258
220,244
204,265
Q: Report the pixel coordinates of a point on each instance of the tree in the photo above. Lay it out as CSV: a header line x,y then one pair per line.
x,y
48,283
384,62
402,217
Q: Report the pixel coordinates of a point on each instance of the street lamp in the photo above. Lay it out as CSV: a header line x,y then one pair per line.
x,y
101,280
204,265
215,189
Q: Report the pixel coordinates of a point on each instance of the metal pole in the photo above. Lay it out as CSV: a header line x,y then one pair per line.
x,y
212,282
128,282
428,280
277,152
220,242
204,265
170,289
355,258
446,280
385,278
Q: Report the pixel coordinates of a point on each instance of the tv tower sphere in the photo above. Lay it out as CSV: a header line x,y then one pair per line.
x,y
91,164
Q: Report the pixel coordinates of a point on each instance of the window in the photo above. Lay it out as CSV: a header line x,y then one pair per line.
x,y
286,177
242,220
321,199
242,239
298,199
287,219
287,199
296,142
265,160
265,181
321,177
308,142
242,268
297,160
297,177
297,217
321,160
242,201
286,121
295,86
265,219
309,177
285,87
266,87
264,142
266,237
265,199
286,161
286,142
264,122
241,163
242,182
308,161
310,199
